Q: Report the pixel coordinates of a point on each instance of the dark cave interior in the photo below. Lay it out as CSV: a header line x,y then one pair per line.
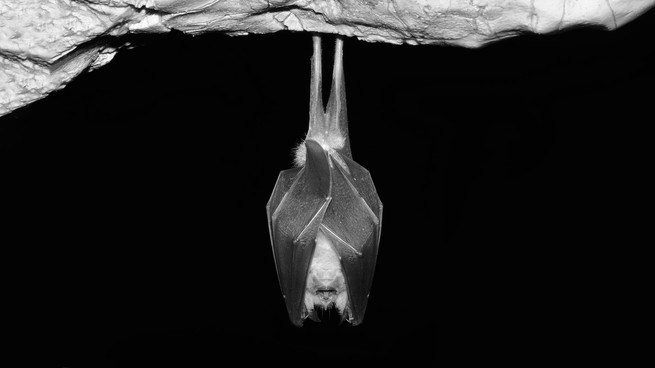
x,y
136,196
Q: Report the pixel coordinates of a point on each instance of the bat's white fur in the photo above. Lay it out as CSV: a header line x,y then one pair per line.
x,y
325,272
330,143
300,154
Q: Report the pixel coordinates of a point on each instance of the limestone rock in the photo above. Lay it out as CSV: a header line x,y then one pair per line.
x,y
46,43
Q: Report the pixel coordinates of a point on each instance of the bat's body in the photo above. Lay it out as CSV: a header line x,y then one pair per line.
x,y
325,215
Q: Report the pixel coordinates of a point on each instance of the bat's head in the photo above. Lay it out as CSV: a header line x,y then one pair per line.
x,y
326,285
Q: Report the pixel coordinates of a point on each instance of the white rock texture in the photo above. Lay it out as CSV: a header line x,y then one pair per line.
x,y
46,43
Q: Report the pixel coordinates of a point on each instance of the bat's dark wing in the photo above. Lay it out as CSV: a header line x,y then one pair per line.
x,y
295,211
353,222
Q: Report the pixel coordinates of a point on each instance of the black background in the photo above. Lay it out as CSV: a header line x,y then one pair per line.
x,y
138,195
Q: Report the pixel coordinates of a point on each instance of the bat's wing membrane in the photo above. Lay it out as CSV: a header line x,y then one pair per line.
x,y
362,181
282,185
353,223
295,211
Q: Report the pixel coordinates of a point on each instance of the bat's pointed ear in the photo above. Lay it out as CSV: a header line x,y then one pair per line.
x,y
313,316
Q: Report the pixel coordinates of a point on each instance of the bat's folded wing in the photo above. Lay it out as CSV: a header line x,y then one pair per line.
x,y
353,223
295,211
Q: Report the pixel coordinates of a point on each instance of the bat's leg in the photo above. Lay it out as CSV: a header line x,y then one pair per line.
x,y
329,129
316,113
337,117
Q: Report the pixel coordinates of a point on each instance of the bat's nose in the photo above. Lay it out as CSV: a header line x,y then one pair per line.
x,y
326,293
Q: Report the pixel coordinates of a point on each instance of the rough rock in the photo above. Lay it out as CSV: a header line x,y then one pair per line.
x,y
46,43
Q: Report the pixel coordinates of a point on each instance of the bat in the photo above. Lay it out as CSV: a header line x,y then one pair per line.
x,y
324,215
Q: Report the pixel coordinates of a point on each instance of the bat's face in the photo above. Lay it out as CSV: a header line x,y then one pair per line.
x,y
326,285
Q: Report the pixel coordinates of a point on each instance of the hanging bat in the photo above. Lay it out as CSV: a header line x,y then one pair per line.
x,y
324,215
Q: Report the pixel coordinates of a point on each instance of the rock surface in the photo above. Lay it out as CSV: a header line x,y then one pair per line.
x,y
46,43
